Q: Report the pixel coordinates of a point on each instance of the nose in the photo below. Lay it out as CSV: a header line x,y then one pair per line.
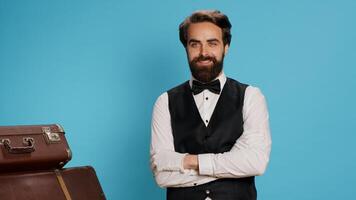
x,y
204,50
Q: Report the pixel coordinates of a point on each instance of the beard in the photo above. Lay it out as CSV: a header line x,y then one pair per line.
x,y
206,74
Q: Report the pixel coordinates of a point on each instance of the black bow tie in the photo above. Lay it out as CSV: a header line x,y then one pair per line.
x,y
213,87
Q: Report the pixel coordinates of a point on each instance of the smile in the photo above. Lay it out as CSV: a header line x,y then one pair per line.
x,y
205,62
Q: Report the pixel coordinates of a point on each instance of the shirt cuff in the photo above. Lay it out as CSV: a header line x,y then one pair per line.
x,y
169,161
205,164
175,162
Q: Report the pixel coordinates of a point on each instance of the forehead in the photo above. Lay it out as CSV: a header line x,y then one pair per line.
x,y
204,31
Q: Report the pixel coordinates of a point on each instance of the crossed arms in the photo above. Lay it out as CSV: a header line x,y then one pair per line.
x,y
248,157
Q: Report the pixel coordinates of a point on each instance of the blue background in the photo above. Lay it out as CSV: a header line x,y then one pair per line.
x,y
97,67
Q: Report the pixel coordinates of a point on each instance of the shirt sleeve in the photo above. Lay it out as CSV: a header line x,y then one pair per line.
x,y
250,154
166,164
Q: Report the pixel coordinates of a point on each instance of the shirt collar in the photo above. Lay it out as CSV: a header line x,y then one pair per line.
x,y
221,77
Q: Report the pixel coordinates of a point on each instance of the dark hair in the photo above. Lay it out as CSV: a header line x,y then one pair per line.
x,y
213,16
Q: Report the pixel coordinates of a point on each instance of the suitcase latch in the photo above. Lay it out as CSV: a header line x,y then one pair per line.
x,y
50,136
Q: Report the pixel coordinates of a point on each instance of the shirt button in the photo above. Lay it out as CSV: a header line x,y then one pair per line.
x,y
207,191
206,98
206,121
195,183
208,198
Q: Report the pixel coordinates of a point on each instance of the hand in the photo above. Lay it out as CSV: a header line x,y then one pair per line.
x,y
191,162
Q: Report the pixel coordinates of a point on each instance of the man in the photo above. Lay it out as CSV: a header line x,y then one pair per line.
x,y
210,135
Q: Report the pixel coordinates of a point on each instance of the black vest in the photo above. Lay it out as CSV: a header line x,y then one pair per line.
x,y
192,136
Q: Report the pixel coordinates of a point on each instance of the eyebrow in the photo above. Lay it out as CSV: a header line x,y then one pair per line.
x,y
209,40
193,40
213,40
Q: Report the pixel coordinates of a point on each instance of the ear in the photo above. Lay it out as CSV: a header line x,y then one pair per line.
x,y
226,49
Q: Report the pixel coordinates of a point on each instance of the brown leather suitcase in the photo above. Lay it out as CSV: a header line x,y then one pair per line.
x,y
33,147
77,183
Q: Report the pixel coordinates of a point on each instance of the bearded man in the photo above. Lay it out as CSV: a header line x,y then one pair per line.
x,y
210,135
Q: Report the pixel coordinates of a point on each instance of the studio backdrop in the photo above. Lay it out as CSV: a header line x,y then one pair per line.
x,y
97,67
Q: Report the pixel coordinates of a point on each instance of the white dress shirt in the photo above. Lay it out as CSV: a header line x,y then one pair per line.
x,y
248,157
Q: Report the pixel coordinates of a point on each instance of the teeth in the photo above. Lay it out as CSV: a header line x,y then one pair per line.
x,y
205,61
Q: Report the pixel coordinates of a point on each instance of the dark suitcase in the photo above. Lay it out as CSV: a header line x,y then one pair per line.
x,y
33,147
78,183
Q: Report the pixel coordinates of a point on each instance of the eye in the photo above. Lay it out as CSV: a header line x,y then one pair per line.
x,y
213,44
194,44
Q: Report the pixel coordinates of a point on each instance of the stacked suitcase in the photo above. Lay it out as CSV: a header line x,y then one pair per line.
x,y
31,166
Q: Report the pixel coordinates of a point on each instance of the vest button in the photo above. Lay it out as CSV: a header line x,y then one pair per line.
x,y
207,191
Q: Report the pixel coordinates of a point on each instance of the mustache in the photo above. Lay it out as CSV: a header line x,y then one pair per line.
x,y
204,58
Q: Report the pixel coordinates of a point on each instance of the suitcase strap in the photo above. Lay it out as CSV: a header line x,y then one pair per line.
x,y
62,184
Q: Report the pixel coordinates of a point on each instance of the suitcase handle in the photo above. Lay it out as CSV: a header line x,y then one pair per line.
x,y
28,148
